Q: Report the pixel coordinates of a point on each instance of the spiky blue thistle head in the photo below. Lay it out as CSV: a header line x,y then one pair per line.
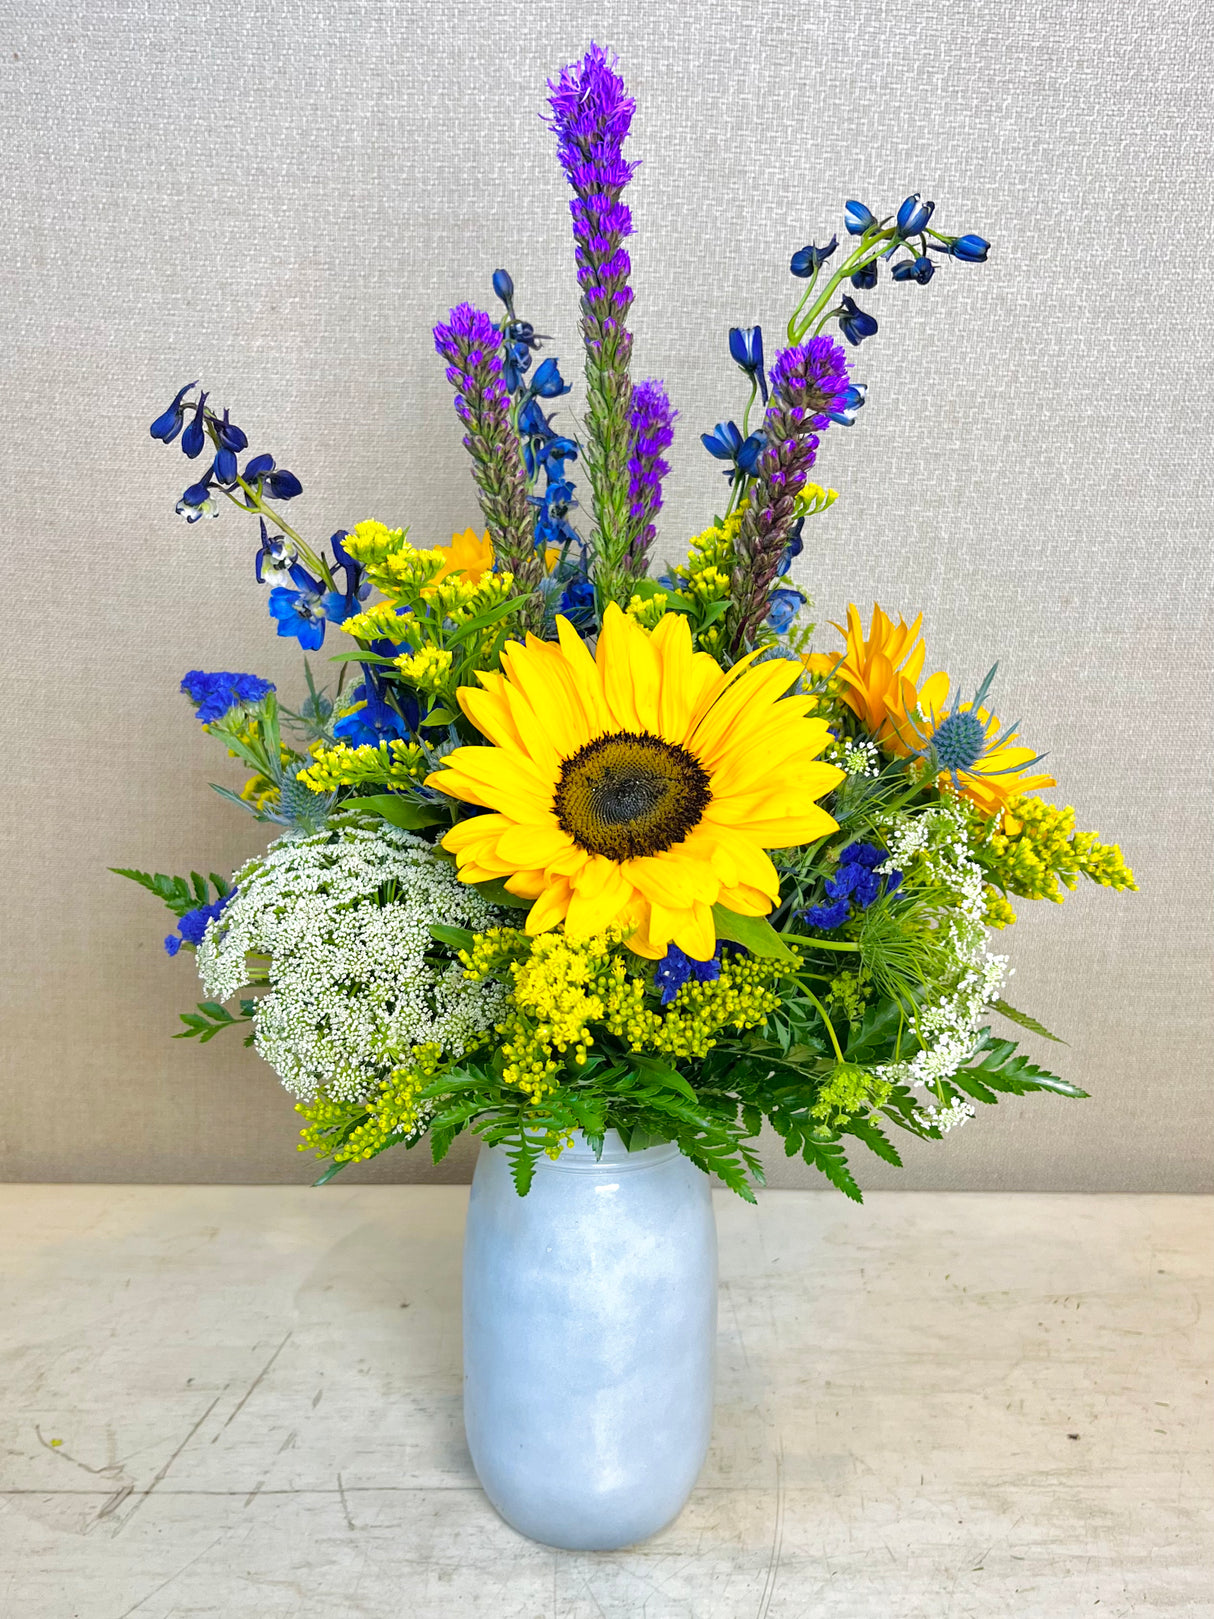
x,y
959,740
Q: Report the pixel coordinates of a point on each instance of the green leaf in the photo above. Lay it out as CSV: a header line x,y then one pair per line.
x,y
497,893
875,1037
333,1169
1025,1021
754,932
440,716
454,938
994,1068
663,1074
360,657
829,1157
397,811
482,621
866,1131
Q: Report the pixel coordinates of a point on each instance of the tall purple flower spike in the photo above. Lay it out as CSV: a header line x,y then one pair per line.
x,y
471,345
807,381
591,112
652,426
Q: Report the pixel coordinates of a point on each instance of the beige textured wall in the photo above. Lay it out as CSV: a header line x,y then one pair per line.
x,y
280,198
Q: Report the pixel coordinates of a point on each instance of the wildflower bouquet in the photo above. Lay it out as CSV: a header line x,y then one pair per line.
x,y
565,845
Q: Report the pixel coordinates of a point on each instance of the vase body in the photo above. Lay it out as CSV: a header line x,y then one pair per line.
x,y
590,1310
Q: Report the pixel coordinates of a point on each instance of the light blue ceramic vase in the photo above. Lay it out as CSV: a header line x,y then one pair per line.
x,y
590,1311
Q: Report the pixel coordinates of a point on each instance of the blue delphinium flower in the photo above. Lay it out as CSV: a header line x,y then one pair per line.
x,y
302,612
913,216
214,695
197,500
547,383
677,968
783,607
193,925
503,288
552,525
279,483
275,557
167,426
793,547
856,883
858,218
968,249
921,270
853,400
746,349
865,277
375,722
577,602
854,323
804,263
725,443
194,438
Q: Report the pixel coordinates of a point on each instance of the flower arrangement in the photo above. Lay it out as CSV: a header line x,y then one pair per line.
x,y
573,846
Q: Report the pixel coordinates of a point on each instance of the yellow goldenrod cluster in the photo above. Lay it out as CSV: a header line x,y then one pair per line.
x,y
704,579
390,1114
1031,847
998,913
560,988
647,610
429,669
391,764
372,543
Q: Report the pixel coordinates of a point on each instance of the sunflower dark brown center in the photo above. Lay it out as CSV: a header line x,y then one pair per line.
x,y
630,794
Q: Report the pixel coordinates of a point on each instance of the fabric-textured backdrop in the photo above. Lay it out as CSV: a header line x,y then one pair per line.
x,y
281,198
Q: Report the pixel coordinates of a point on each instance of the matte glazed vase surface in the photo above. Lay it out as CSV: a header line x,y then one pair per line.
x,y
590,1310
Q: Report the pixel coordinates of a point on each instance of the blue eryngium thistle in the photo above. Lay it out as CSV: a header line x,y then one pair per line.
x,y
858,218
746,350
167,425
590,115
810,259
471,345
854,323
652,424
913,216
808,382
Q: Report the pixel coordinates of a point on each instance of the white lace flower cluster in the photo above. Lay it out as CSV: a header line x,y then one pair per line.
x,y
345,917
950,1025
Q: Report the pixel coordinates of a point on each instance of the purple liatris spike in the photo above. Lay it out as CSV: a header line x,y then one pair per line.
x,y
652,424
471,345
808,381
590,115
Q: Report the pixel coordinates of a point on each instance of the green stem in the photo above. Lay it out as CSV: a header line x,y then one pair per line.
x,y
830,1028
819,944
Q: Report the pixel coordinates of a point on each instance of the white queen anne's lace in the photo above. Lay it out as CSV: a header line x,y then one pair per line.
x,y
345,918
951,1024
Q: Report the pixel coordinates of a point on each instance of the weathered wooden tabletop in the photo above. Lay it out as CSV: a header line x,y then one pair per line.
x,y
246,1401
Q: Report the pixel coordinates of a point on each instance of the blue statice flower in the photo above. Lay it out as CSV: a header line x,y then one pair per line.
x,y
214,695
725,443
677,968
855,886
167,425
193,924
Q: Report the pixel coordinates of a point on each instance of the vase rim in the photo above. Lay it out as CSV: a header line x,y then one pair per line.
x,y
579,1158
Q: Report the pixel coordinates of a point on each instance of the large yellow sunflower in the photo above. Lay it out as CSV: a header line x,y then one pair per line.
x,y
878,673
975,757
638,785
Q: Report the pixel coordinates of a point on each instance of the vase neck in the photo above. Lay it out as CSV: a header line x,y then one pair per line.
x,y
615,1155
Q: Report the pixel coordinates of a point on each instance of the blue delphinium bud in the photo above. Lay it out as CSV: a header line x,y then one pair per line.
x,y
280,484
865,278
225,465
194,437
503,288
547,382
167,426
275,557
914,215
793,547
853,399
921,270
970,249
854,323
804,263
723,442
196,501
231,436
748,455
746,349
858,218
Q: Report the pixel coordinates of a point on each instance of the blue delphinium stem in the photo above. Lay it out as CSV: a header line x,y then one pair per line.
x,y
652,424
471,345
590,115
808,381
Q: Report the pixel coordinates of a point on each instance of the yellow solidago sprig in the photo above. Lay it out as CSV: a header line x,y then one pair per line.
x,y
347,1131
566,994
1030,847
395,764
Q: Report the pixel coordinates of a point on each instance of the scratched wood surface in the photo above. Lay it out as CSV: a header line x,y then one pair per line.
x,y
246,1401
